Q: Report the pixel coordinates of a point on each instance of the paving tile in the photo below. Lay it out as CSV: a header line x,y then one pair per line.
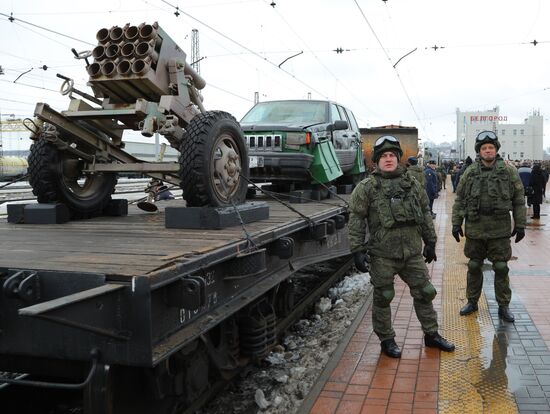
x,y
383,381
331,394
400,408
427,383
378,393
402,397
325,405
335,386
404,385
373,409
354,397
361,378
357,389
349,407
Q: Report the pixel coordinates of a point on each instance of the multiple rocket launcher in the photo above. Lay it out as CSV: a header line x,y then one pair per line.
x,y
132,62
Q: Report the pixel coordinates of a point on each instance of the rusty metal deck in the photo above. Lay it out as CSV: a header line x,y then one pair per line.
x,y
138,244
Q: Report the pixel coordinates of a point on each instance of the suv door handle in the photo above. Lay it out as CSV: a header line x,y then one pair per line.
x,y
345,135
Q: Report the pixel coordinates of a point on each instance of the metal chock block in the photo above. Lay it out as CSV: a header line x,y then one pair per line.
x,y
42,213
16,213
215,217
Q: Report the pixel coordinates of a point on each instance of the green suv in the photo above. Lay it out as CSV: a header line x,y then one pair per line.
x,y
303,141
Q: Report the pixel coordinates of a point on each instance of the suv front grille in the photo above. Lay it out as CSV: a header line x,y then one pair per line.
x,y
264,142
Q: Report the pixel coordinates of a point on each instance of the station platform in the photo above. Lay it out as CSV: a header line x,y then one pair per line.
x,y
498,367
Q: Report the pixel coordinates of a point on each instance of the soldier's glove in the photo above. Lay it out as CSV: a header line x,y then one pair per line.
x,y
361,260
429,253
519,233
457,231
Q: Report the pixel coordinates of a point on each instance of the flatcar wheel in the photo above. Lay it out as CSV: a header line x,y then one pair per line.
x,y
285,299
98,393
127,390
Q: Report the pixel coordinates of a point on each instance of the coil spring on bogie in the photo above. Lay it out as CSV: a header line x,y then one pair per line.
x,y
257,329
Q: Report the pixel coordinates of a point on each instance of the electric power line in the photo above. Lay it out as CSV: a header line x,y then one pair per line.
x,y
12,19
246,48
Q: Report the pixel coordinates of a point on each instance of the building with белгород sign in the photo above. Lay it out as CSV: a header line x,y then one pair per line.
x,y
518,141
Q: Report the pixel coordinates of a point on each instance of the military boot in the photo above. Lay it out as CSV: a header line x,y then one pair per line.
x,y
505,313
470,307
390,348
437,341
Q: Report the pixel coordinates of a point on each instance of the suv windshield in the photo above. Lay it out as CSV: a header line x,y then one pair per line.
x,y
287,113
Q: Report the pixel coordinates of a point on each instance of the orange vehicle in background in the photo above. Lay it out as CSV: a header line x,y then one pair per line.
x,y
407,136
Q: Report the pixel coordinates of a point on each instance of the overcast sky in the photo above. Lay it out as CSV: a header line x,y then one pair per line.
x,y
484,55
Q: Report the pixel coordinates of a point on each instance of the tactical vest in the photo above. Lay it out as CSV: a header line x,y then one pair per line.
x,y
488,192
397,203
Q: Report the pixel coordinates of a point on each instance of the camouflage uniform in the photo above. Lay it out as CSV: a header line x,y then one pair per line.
x,y
395,208
484,198
417,172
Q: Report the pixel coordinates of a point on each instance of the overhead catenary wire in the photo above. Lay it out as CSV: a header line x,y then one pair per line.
x,y
13,19
391,63
247,49
323,65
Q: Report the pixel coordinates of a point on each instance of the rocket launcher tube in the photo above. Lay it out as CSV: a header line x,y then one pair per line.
x,y
112,51
141,67
127,50
131,33
144,49
124,67
102,35
98,53
108,69
94,70
116,34
148,31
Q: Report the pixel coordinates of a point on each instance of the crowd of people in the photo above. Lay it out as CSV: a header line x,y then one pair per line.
x,y
392,232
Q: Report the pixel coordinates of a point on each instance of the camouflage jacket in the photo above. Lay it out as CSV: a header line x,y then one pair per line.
x,y
484,198
417,172
395,208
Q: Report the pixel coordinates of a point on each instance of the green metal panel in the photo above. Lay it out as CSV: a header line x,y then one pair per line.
x,y
325,166
359,163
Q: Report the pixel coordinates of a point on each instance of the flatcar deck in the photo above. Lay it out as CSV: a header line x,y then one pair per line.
x,y
139,244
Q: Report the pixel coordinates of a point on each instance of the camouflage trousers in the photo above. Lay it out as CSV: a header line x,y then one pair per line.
x,y
498,251
415,274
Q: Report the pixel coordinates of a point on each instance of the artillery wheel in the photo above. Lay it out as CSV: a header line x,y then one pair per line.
x,y
213,161
56,176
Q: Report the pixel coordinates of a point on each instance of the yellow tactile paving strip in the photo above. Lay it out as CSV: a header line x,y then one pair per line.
x,y
470,380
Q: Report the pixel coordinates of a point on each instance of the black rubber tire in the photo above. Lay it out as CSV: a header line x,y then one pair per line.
x,y
50,183
210,138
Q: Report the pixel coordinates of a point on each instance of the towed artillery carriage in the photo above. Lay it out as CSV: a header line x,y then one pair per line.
x,y
141,81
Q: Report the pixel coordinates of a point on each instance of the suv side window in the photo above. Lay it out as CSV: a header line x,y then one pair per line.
x,y
351,117
343,115
334,113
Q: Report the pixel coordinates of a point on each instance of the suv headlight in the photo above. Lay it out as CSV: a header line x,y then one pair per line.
x,y
298,138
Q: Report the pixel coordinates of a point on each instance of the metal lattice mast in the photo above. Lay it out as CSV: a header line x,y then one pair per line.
x,y
195,52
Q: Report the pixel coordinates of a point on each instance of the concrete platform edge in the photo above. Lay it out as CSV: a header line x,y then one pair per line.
x,y
314,392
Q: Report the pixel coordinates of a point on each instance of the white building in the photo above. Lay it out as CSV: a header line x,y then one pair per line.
x,y
518,141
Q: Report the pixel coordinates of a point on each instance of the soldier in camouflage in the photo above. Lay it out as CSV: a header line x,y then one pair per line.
x,y
416,170
395,208
488,190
